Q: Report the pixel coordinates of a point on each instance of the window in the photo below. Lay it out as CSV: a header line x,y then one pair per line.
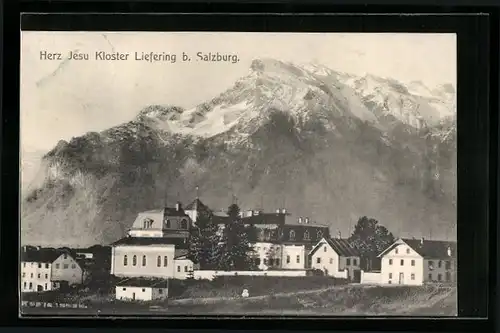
x,y
45,287
125,260
143,260
402,263
390,282
158,261
185,268
448,264
412,276
39,275
73,266
165,261
390,261
57,266
31,275
396,250
25,284
257,261
413,262
448,276
331,260
167,224
143,290
277,261
265,261
407,251
306,235
46,276
354,262
134,260
439,263
24,264
184,224
439,277
348,261
324,248
430,276
287,259
292,235
178,268
298,259
431,263
160,291
65,266
31,285
46,265
39,265
24,274
318,260
390,275
319,234
65,256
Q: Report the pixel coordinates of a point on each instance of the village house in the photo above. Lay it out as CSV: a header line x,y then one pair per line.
x,y
415,262
336,257
137,289
48,269
150,248
184,267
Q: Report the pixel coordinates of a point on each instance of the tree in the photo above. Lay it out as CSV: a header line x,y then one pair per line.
x,y
234,248
370,238
204,241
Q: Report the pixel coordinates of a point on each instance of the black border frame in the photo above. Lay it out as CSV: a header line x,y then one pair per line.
x,y
477,135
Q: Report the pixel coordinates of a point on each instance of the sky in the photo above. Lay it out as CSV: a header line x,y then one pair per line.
x,y
61,99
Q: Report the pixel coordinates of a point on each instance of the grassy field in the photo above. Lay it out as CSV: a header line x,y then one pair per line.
x,y
272,296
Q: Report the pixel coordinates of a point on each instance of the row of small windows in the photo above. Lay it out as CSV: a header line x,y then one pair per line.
x,y
347,261
292,235
431,263
39,275
397,251
144,261
30,286
160,290
430,277
58,266
148,223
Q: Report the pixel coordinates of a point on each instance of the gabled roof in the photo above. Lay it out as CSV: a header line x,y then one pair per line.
x,y
341,246
143,282
180,253
151,241
428,249
197,205
41,255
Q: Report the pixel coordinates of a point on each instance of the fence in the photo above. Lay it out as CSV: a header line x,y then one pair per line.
x,y
52,305
209,275
371,277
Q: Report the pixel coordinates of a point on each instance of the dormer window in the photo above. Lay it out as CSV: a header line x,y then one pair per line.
x,y
167,223
306,235
184,224
292,234
148,223
319,234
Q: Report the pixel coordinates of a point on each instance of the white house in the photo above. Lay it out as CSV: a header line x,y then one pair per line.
x,y
337,258
415,262
135,289
46,269
184,267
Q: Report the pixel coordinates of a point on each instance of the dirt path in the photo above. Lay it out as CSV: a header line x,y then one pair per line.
x,y
206,300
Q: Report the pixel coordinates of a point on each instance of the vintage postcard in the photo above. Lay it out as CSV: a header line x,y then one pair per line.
x,y
212,173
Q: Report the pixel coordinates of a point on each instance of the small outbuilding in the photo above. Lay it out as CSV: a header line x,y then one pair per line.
x,y
141,289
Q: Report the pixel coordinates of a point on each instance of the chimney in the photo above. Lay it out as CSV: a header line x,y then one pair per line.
x,y
449,251
283,211
340,235
278,211
307,220
300,219
422,241
178,206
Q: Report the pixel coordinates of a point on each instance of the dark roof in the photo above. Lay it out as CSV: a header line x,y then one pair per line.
x,y
145,241
143,282
197,205
434,249
340,245
180,253
429,249
42,255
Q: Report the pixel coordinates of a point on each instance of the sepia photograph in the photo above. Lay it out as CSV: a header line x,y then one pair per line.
x,y
238,173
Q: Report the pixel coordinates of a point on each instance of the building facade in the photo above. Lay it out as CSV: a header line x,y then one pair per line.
x,y
46,269
415,262
141,289
336,257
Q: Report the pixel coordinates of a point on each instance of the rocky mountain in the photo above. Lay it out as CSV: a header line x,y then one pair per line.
x,y
322,143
